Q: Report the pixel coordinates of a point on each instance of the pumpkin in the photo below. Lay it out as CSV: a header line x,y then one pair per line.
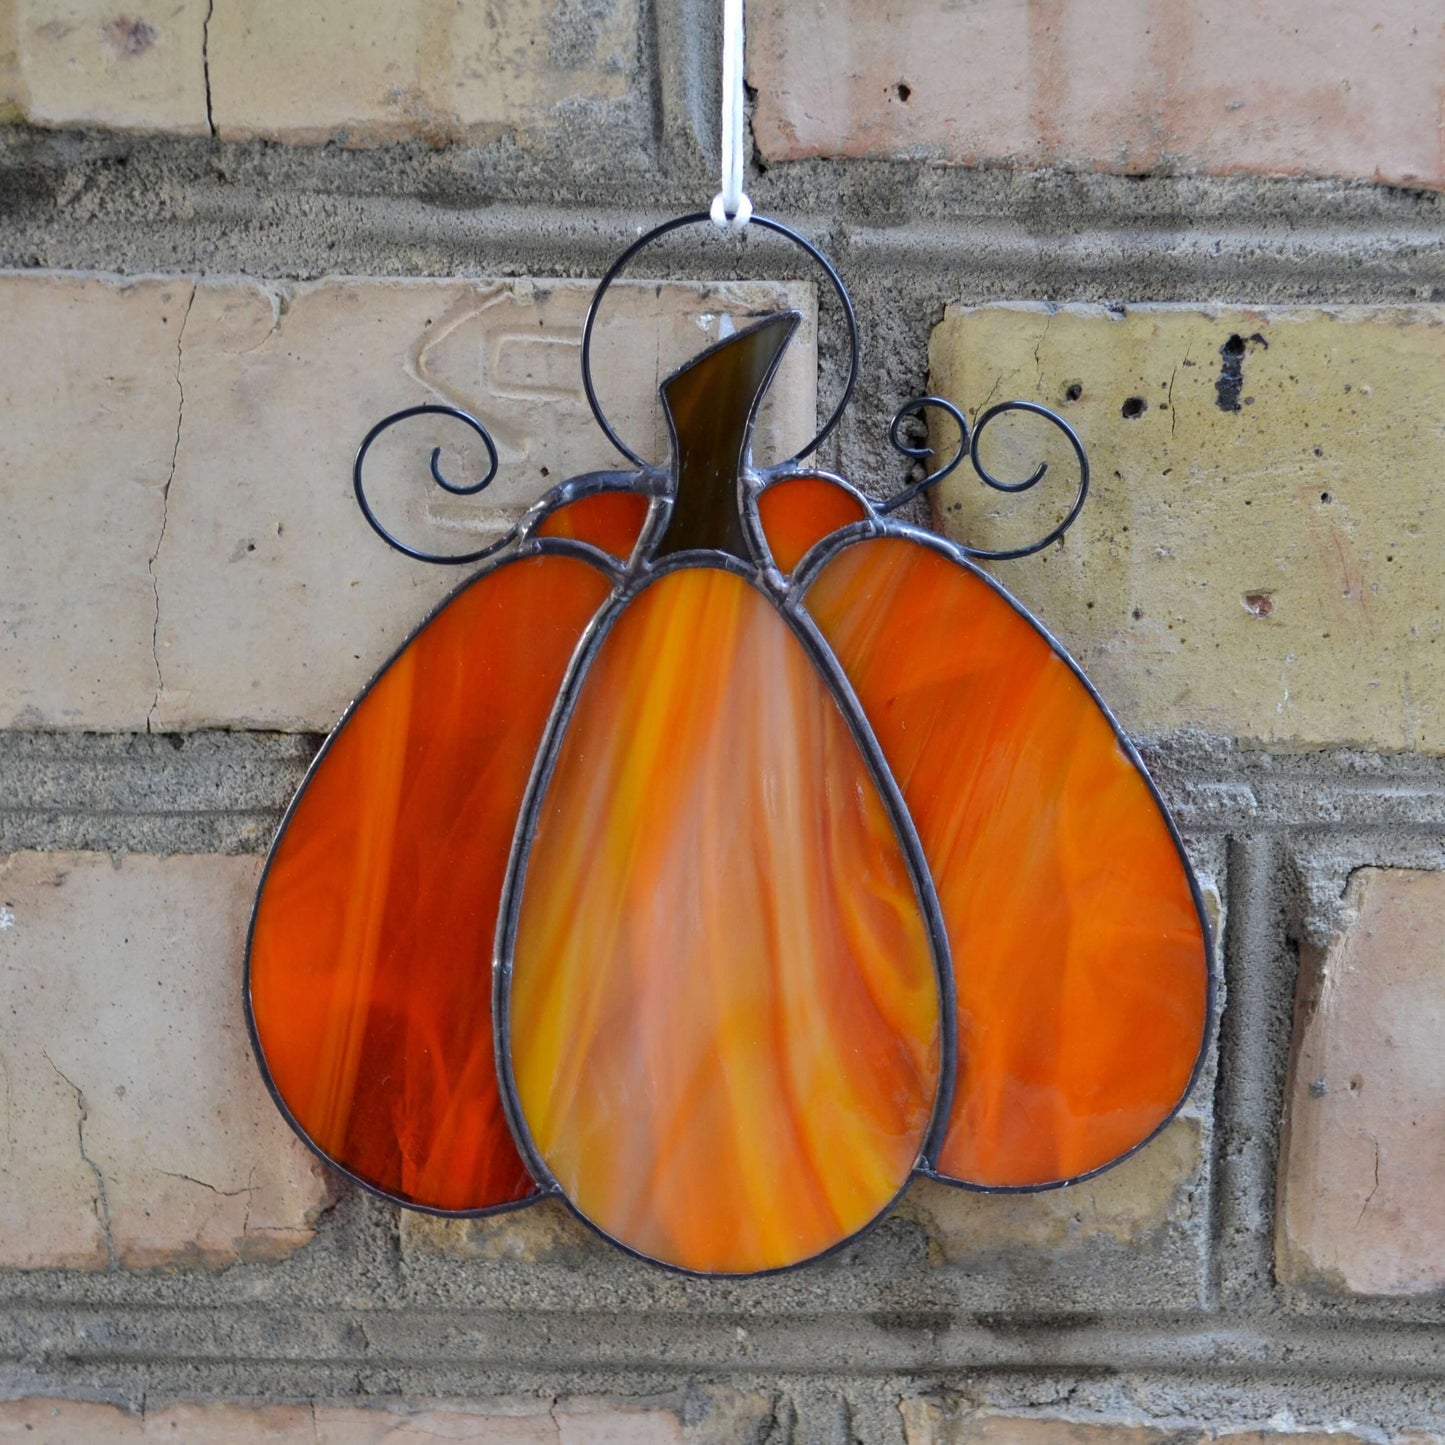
x,y
719,856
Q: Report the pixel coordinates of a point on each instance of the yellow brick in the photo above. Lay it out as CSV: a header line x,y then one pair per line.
x,y
945,1422
11,84
84,63
1270,572
543,1233
193,555
1129,1203
369,71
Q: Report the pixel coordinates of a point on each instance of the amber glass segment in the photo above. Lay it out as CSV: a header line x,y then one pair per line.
x,y
370,959
1078,951
724,1013
796,512
611,520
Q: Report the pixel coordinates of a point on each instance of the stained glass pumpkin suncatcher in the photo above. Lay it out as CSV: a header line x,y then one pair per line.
x,y
722,854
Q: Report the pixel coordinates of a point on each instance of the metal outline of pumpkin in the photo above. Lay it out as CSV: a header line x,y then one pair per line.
x,y
627,579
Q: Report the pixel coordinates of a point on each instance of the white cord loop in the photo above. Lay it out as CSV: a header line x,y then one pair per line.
x,y
731,208
737,220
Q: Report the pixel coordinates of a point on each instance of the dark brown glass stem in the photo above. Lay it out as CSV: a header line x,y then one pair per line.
x,y
711,403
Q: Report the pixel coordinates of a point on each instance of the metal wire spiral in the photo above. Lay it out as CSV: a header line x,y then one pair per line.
x,y
968,443
456,489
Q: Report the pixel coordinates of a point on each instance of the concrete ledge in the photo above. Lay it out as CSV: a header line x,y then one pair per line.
x,y
224,792
157,204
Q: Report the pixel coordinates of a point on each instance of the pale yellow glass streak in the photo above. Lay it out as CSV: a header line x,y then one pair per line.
x,y
725,1011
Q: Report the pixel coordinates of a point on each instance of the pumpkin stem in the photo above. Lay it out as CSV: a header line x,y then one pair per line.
x,y
711,405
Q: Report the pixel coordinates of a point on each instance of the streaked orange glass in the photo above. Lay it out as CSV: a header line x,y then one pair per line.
x,y
1078,951
611,520
371,955
724,1016
798,511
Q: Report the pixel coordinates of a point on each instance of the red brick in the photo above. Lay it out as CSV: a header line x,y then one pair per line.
x,y
1297,87
712,1417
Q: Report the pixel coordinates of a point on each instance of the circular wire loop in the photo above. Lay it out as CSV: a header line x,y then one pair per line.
x,y
469,489
692,219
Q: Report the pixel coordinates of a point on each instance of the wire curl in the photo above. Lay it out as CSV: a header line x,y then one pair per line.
x,y
456,489
968,444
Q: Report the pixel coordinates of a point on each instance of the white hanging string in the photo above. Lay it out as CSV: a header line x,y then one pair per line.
x,y
731,208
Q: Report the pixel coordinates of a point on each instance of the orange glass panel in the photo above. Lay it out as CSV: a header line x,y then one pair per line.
x,y
370,961
611,520
724,1014
799,511
1078,951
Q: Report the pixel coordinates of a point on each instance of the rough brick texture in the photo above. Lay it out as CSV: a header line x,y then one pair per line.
x,y
197,558
1303,87
1259,554
931,1422
139,1132
377,70
95,365
357,71
1364,1167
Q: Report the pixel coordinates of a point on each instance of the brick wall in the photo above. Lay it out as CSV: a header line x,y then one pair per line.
x,y
233,233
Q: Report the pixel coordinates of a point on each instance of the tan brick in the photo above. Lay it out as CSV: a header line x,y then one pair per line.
x,y
139,1129
1297,87
1363,1170
88,391
368,71
186,450
360,71
945,1421
1149,1191
543,1233
90,63
713,1416
942,1422
1305,1437
11,85
1270,573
